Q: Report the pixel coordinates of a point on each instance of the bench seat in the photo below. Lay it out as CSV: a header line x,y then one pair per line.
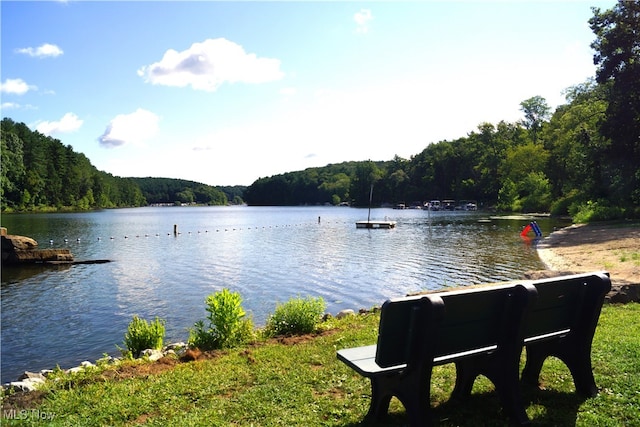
x,y
363,359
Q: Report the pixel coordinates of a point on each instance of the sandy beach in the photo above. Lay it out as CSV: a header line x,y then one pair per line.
x,y
591,247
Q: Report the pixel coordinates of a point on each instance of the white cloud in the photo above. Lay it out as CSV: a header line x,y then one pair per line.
x,y
9,106
16,87
362,19
46,50
134,128
16,106
68,123
207,65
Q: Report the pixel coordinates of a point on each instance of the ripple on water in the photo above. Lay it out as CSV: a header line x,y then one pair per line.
x,y
67,315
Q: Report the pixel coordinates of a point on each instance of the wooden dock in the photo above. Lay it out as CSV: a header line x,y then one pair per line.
x,y
375,224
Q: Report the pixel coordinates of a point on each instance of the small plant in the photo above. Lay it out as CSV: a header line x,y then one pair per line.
x,y
227,326
142,335
296,316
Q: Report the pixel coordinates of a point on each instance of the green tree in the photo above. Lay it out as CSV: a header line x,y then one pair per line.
x,y
367,174
12,169
617,47
535,195
490,151
577,149
536,112
337,187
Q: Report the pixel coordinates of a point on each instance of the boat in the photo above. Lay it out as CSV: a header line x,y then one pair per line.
x,y
374,224
434,205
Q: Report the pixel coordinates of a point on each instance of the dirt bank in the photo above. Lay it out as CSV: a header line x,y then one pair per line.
x,y
591,247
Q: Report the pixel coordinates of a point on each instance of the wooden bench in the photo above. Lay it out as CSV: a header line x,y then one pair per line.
x,y
562,324
480,330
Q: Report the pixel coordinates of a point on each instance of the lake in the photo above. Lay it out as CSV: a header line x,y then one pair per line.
x,y
64,315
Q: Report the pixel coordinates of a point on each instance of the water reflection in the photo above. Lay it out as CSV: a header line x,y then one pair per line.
x,y
65,315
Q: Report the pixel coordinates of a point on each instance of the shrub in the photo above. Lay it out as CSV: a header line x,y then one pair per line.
x,y
595,211
142,335
561,205
226,325
296,316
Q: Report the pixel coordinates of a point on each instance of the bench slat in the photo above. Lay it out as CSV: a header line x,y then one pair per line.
x,y
363,361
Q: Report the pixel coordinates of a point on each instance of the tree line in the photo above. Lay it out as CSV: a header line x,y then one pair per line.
x,y
39,173
584,157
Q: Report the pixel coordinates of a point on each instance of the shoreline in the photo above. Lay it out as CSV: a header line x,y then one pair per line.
x,y
580,248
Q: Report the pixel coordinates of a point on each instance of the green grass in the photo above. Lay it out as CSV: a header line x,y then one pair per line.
x,y
626,256
278,383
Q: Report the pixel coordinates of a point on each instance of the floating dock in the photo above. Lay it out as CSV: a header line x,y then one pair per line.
x,y
375,224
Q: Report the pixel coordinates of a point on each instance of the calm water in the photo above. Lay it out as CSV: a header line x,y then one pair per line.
x,y
64,315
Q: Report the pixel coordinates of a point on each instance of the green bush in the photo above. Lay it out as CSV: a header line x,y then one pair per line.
x,y
142,335
226,325
561,206
296,316
595,211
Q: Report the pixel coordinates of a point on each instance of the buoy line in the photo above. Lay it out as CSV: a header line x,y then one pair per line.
x,y
79,240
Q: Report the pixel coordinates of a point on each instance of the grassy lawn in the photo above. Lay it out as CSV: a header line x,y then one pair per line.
x,y
300,382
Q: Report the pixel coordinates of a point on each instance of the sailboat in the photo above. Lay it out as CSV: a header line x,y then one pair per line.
x,y
374,224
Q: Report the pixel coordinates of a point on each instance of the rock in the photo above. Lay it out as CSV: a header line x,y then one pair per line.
x,y
109,360
345,313
47,372
24,386
175,346
152,354
29,381
20,243
545,274
31,376
84,365
23,250
623,294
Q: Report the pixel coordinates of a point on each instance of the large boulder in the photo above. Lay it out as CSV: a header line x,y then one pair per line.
x,y
18,243
24,250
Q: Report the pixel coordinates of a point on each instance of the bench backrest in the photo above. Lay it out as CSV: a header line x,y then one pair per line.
x,y
567,303
447,323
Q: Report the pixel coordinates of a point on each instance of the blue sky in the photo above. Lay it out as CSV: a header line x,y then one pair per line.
x,y
227,92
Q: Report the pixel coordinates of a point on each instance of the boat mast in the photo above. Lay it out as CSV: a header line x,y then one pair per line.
x,y
370,198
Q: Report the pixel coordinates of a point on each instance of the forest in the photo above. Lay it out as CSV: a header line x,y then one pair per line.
x,y
582,159
41,174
